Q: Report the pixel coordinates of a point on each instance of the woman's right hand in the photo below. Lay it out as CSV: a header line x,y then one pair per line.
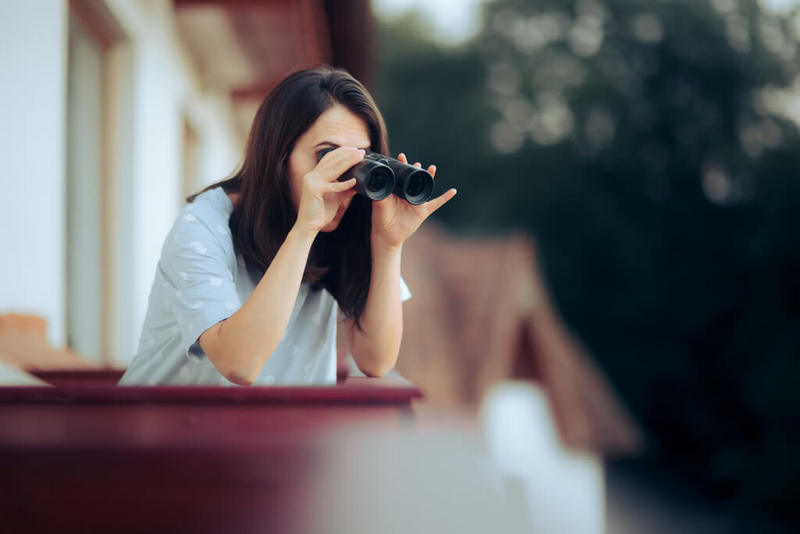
x,y
322,196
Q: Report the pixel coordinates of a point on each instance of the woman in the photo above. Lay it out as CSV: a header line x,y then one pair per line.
x,y
251,273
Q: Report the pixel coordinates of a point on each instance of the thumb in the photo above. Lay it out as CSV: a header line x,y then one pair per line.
x,y
440,201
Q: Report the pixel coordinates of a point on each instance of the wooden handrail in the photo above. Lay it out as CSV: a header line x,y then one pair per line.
x,y
363,391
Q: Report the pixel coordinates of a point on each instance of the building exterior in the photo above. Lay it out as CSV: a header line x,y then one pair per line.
x,y
113,112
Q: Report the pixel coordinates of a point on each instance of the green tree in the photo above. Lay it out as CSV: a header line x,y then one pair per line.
x,y
637,142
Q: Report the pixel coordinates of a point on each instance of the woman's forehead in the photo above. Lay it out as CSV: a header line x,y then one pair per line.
x,y
339,126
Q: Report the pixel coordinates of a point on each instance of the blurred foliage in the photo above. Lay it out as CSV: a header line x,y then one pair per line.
x,y
638,142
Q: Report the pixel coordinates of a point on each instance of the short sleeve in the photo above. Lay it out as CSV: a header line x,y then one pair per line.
x,y
199,268
405,293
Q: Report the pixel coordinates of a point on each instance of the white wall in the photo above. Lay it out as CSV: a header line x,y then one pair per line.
x,y
155,89
164,89
33,45
563,489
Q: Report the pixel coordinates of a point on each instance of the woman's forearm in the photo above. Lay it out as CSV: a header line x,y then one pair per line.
x,y
248,338
375,349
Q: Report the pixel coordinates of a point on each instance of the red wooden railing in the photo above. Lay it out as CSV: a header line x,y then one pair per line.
x,y
181,459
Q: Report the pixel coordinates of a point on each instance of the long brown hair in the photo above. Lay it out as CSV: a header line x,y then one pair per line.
x,y
340,261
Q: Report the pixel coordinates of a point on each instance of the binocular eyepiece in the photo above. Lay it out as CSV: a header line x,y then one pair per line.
x,y
378,176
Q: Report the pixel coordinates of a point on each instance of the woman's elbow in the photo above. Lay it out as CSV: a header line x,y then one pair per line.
x,y
240,378
375,362
376,374
237,370
376,368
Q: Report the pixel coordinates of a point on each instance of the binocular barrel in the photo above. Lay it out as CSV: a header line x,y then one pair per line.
x,y
378,176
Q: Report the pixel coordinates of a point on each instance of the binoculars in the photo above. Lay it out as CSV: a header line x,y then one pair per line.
x,y
378,176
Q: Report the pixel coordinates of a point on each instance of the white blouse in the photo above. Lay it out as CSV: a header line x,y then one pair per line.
x,y
200,281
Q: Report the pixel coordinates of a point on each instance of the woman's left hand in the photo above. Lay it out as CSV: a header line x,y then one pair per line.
x,y
394,219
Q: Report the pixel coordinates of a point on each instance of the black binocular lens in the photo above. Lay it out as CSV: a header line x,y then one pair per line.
x,y
378,176
380,179
374,179
414,184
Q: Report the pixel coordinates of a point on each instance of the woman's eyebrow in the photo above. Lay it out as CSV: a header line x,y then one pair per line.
x,y
326,143
334,145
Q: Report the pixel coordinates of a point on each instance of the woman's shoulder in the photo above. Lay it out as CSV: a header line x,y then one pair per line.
x,y
202,225
212,206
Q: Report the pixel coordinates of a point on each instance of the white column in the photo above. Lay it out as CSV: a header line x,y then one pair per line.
x,y
33,37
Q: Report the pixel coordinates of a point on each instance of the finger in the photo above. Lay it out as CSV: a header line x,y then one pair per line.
x,y
343,196
333,154
440,201
432,170
341,159
346,153
418,164
342,153
341,186
402,158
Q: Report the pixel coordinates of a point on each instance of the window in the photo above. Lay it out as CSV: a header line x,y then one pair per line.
x,y
90,186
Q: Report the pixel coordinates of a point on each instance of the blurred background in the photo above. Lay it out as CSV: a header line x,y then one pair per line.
x,y
652,151
649,149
